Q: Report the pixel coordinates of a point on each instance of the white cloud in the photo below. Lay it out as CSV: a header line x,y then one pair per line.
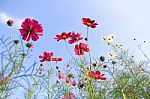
x,y
5,17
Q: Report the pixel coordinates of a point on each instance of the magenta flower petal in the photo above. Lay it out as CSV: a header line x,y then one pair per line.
x,y
31,29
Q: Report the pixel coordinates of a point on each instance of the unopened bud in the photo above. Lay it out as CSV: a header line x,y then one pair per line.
x,y
16,41
102,58
10,22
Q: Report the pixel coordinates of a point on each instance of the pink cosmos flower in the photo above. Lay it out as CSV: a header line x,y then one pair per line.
x,y
73,83
31,29
46,56
61,75
67,79
75,38
81,48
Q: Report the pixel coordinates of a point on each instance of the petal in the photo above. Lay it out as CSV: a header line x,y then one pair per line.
x,y
23,31
35,37
26,37
26,24
97,72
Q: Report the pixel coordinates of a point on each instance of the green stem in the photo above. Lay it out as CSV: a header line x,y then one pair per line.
x,y
67,89
17,66
88,43
49,72
143,53
10,60
130,69
10,33
71,54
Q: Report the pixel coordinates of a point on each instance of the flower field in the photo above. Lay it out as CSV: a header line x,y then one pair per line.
x,y
117,75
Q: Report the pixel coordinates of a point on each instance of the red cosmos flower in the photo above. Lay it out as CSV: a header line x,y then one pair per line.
x,y
63,36
31,29
81,48
88,22
46,56
56,59
97,75
75,38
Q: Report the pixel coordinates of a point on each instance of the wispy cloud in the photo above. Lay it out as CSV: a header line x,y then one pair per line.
x,y
5,17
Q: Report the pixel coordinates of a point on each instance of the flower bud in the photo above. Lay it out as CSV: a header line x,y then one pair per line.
x,y
80,85
10,22
57,67
86,39
102,58
29,45
104,66
94,64
23,54
16,41
114,62
70,76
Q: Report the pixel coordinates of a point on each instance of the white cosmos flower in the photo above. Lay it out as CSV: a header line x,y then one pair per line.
x,y
108,39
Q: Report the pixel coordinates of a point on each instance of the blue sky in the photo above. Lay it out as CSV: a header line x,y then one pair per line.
x,y
127,19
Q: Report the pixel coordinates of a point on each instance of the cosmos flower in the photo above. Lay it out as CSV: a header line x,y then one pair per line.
x,y
67,79
61,75
88,22
97,75
140,70
81,48
108,39
73,83
75,38
63,36
46,56
31,29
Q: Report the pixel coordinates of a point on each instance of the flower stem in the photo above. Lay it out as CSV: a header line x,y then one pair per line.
x,y
88,43
10,33
71,54
48,89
